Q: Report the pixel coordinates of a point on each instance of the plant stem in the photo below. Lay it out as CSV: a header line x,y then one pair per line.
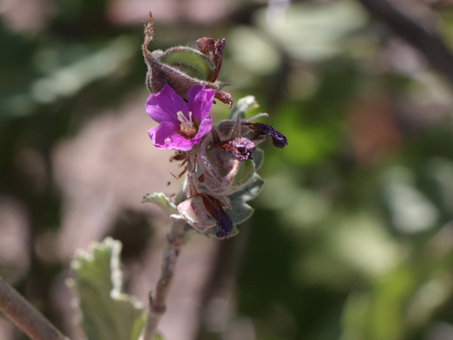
x,y
157,303
25,316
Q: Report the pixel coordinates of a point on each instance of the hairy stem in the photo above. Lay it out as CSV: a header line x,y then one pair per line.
x,y
25,316
157,303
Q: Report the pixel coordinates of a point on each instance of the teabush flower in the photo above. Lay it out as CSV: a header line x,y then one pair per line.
x,y
181,124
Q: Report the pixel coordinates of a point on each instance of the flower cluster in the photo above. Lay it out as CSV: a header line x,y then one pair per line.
x,y
220,162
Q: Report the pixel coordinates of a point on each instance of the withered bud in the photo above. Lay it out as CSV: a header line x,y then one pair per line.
x,y
239,147
214,208
218,167
194,212
203,212
183,67
214,50
261,130
228,129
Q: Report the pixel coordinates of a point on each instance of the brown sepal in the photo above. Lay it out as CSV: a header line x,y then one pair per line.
x,y
240,147
214,50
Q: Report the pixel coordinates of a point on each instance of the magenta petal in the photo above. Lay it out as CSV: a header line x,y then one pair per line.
x,y
165,105
161,136
204,128
200,101
179,142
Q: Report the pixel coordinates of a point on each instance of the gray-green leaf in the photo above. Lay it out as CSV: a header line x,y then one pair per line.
x,y
241,211
161,201
242,106
106,312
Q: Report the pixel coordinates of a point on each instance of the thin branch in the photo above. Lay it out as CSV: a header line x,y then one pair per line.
x,y
430,44
25,316
157,302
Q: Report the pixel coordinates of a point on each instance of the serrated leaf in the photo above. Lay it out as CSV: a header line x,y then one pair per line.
x,y
242,106
106,312
161,201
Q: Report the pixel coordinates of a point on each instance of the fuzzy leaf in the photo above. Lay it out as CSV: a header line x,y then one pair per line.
x,y
250,191
258,158
241,211
161,201
106,312
243,176
216,229
242,106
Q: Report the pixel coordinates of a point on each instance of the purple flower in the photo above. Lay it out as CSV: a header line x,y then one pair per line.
x,y
181,124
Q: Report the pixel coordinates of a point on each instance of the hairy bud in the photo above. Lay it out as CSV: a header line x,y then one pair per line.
x,y
183,67
203,212
224,172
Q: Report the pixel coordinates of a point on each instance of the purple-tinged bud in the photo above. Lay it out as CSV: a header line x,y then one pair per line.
x,y
239,147
183,67
203,212
222,173
194,212
214,208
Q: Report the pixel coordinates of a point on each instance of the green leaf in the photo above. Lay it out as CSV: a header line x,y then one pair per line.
x,y
250,191
106,312
258,158
162,201
243,176
215,230
242,106
241,211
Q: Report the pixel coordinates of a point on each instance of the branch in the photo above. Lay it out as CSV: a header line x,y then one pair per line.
x,y
25,316
157,303
430,44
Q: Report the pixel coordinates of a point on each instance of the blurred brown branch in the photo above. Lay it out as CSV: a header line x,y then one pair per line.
x,y
25,316
429,43
175,238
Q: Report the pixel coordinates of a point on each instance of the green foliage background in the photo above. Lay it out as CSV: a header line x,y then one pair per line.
x,y
352,235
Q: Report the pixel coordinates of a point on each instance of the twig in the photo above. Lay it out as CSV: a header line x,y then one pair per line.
x,y
25,316
429,43
157,304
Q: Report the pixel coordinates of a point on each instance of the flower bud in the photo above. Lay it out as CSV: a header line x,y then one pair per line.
x,y
255,132
194,212
223,172
183,67
203,212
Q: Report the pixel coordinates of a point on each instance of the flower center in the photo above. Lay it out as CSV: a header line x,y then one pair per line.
x,y
188,127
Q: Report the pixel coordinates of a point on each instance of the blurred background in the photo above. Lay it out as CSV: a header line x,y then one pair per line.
x,y
352,237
